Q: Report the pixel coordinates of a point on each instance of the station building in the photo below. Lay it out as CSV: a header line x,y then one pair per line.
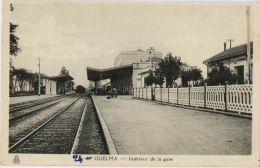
x,y
129,57
131,69
236,60
55,84
50,85
124,76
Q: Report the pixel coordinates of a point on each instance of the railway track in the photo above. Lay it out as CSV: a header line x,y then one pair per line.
x,y
25,105
56,135
36,108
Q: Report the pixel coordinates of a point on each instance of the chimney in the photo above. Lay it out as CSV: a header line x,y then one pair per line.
x,y
225,46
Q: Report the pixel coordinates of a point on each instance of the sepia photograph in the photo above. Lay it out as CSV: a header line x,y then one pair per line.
x,y
130,83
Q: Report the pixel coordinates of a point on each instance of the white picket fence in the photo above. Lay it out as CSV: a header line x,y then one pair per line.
x,y
236,98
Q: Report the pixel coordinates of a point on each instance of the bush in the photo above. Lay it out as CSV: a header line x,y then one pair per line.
x,y
220,74
149,80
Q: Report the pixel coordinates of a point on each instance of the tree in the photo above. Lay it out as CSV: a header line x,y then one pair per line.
x,y
185,77
13,48
159,79
220,74
64,71
80,89
32,79
21,76
196,75
170,68
11,76
68,84
192,74
36,83
150,79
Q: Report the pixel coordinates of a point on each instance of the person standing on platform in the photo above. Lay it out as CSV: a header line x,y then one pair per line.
x,y
115,92
111,93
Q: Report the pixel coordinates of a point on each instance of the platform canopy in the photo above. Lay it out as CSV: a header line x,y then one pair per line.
x,y
59,78
114,72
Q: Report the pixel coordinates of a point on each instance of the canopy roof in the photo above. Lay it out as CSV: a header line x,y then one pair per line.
x,y
59,77
100,74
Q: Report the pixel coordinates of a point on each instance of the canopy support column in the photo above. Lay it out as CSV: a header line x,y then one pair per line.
x,y
100,79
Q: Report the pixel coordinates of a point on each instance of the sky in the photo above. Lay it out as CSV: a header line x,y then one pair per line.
x,y
92,34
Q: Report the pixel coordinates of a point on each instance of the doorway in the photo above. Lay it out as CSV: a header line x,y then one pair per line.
x,y
240,74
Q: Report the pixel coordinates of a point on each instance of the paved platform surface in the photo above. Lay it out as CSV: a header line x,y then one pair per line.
x,y
14,100
140,127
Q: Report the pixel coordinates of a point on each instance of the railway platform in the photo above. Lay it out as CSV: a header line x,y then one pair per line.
x,y
142,127
14,100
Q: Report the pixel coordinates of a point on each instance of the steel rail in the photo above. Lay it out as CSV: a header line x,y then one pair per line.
x,y
21,104
32,101
25,106
76,140
41,126
33,111
22,115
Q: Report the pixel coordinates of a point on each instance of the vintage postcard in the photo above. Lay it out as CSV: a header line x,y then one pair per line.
x,y
151,83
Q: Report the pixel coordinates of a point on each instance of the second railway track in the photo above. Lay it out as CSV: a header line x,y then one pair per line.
x,y
25,105
36,108
72,127
66,118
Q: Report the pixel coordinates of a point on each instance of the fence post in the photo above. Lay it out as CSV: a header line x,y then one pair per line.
x,y
142,92
161,93
152,93
189,95
139,92
226,97
168,95
146,93
133,92
205,95
177,95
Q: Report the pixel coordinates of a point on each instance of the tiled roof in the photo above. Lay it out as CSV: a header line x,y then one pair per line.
x,y
230,53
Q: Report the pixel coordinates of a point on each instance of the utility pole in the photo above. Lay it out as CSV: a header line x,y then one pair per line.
x,y
150,59
248,45
39,83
